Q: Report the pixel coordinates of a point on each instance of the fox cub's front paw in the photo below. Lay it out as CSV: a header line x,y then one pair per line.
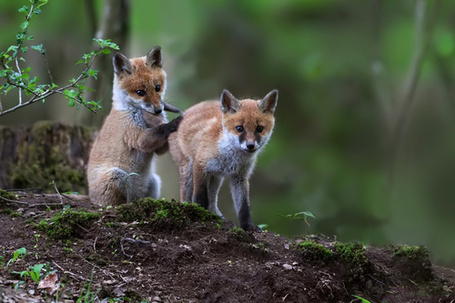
x,y
174,124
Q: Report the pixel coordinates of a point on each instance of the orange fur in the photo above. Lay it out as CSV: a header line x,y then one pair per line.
x,y
209,146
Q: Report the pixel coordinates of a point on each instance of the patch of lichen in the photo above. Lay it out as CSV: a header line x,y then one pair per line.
x,y
315,251
43,158
410,251
67,224
161,212
353,253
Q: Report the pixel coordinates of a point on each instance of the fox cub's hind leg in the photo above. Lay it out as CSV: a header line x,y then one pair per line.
x,y
115,189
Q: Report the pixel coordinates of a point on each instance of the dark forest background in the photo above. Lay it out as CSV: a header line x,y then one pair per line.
x,y
365,130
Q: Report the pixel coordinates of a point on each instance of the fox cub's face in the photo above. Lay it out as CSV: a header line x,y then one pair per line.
x,y
248,123
140,82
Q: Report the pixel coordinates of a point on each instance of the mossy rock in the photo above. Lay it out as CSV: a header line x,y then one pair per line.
x,y
165,214
67,224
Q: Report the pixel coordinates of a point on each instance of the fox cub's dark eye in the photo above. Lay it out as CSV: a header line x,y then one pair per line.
x,y
239,128
140,92
259,129
157,88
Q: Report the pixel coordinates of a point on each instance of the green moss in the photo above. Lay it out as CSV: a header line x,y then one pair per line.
x,y
315,251
353,253
7,195
65,225
11,212
409,251
172,213
39,163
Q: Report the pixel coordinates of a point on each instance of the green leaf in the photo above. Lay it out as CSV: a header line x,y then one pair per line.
x,y
93,73
361,299
306,213
39,48
35,272
71,103
24,9
24,25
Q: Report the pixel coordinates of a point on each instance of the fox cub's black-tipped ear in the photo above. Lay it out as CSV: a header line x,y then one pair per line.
x,y
155,58
268,104
229,103
122,64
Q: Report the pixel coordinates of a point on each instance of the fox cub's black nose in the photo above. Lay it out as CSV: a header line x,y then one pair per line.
x,y
250,146
158,110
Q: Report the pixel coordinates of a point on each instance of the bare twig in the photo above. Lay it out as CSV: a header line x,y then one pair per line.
x,y
68,272
94,244
20,73
13,201
106,272
58,193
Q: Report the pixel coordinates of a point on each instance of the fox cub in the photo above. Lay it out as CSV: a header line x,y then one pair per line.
x,y
214,142
121,166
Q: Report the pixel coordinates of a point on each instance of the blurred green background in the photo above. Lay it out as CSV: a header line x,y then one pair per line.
x,y
365,123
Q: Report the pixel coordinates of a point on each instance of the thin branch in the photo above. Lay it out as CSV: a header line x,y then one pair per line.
x,y
48,68
20,73
68,272
13,201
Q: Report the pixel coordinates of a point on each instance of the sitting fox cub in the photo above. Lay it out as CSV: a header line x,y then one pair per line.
x,y
120,166
214,142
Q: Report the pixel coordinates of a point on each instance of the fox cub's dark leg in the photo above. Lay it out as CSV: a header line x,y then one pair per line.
x,y
160,134
240,194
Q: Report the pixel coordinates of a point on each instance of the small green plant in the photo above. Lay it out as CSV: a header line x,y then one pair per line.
x,y
34,272
19,253
37,236
301,216
7,195
361,299
87,295
20,78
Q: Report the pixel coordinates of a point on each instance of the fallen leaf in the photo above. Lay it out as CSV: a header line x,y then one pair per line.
x,y
48,283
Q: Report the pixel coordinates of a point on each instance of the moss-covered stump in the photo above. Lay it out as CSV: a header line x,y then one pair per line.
x,y
34,156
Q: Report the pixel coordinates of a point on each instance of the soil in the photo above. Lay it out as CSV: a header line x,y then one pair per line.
x,y
171,252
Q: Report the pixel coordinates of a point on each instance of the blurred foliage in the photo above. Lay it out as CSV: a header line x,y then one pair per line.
x,y
341,68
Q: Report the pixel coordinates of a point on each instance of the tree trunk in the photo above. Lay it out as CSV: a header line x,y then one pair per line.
x,y
34,156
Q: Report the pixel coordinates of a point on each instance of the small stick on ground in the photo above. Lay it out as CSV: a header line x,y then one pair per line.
x,y
68,272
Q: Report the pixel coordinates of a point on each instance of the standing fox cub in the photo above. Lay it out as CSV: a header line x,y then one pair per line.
x,y
120,166
214,142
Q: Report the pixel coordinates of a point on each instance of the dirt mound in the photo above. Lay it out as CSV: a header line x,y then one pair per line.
x,y
177,252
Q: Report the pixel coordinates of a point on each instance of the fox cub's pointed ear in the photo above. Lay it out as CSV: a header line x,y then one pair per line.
x,y
122,64
155,58
268,104
229,103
